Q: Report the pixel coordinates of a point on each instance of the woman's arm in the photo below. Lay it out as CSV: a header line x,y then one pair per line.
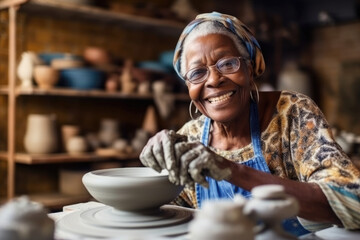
x,y
313,203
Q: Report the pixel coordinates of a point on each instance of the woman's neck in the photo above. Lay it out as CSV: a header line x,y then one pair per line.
x,y
231,135
236,134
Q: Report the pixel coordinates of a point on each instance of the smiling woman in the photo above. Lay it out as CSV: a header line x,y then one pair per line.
x,y
245,138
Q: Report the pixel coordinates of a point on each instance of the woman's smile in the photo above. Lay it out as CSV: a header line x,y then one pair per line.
x,y
220,99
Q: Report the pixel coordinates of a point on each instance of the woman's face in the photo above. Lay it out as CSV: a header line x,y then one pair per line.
x,y
220,97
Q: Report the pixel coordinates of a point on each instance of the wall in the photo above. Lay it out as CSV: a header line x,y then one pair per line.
x,y
333,54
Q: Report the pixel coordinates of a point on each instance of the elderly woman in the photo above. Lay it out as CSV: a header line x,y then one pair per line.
x,y
245,138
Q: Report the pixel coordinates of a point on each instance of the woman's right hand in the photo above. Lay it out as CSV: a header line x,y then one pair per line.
x,y
159,153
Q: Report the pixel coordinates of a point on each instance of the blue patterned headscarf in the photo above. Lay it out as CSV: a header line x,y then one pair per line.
x,y
231,24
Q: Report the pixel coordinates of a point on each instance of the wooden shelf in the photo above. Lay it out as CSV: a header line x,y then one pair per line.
x,y
56,201
59,9
30,159
4,90
67,92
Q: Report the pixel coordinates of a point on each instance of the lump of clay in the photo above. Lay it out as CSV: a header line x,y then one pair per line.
x,y
21,219
221,219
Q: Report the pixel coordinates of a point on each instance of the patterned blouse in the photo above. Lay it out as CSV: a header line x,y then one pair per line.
x,y
298,144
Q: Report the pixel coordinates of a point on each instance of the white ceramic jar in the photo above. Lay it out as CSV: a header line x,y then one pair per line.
x,y
109,131
41,134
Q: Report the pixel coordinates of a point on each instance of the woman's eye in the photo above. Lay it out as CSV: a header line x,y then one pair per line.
x,y
227,64
197,73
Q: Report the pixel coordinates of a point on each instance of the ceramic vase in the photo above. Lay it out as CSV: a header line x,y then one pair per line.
x,y
45,76
109,131
293,79
150,124
25,69
127,83
41,134
76,145
67,132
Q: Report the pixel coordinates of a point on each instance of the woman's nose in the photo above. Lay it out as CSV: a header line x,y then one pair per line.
x,y
214,78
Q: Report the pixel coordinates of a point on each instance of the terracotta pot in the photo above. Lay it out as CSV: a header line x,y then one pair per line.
x,y
41,135
65,63
45,76
97,56
67,132
76,145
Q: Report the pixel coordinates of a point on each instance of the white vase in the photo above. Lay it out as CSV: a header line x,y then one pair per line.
x,y
109,131
293,79
41,134
25,69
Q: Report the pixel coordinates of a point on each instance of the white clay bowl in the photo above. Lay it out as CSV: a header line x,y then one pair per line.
x,y
131,189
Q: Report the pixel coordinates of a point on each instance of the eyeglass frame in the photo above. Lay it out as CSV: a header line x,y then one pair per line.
x,y
211,66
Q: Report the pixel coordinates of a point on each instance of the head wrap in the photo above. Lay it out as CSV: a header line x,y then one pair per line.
x,y
233,25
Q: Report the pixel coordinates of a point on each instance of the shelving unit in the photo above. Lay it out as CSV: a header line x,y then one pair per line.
x,y
30,159
81,93
59,9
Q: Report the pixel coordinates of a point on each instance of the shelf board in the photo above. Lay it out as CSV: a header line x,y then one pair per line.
x,y
80,93
4,90
30,159
66,10
67,92
56,201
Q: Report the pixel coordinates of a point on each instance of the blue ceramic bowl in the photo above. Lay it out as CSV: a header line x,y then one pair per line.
x,y
48,57
82,78
153,66
166,58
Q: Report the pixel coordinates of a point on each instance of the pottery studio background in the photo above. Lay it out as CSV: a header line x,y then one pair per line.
x,y
310,46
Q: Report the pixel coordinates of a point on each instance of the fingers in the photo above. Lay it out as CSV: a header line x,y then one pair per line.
x,y
147,159
169,156
186,154
199,167
159,153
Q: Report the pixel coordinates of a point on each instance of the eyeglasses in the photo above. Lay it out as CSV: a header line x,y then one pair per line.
x,y
225,65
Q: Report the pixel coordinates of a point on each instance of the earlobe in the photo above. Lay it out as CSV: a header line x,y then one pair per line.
x,y
250,69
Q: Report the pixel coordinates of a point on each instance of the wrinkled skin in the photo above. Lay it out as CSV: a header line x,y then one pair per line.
x,y
197,161
159,153
186,162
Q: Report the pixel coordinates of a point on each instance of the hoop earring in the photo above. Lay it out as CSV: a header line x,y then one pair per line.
x,y
257,93
190,112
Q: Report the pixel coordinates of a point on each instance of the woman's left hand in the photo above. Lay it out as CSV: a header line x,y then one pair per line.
x,y
197,161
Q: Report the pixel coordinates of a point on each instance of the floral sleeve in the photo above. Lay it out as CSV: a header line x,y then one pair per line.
x,y
319,159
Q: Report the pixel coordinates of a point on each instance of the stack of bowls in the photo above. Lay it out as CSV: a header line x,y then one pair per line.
x,y
82,78
73,73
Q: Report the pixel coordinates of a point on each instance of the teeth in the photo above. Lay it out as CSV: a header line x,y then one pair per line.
x,y
220,98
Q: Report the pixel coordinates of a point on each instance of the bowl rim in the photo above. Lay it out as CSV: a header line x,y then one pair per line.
x,y
130,170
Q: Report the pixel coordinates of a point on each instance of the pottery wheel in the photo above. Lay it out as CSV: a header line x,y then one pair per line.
x,y
105,221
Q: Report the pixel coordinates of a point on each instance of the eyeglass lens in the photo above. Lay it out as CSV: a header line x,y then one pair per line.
x,y
224,66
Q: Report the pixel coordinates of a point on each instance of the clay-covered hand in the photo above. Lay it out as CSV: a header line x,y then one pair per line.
x,y
197,161
159,153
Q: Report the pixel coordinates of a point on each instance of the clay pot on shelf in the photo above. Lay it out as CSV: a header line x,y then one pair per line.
x,y
67,132
76,145
109,131
46,77
97,56
41,135
67,62
25,69
112,82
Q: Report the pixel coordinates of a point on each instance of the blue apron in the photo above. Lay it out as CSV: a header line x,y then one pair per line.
x,y
224,189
